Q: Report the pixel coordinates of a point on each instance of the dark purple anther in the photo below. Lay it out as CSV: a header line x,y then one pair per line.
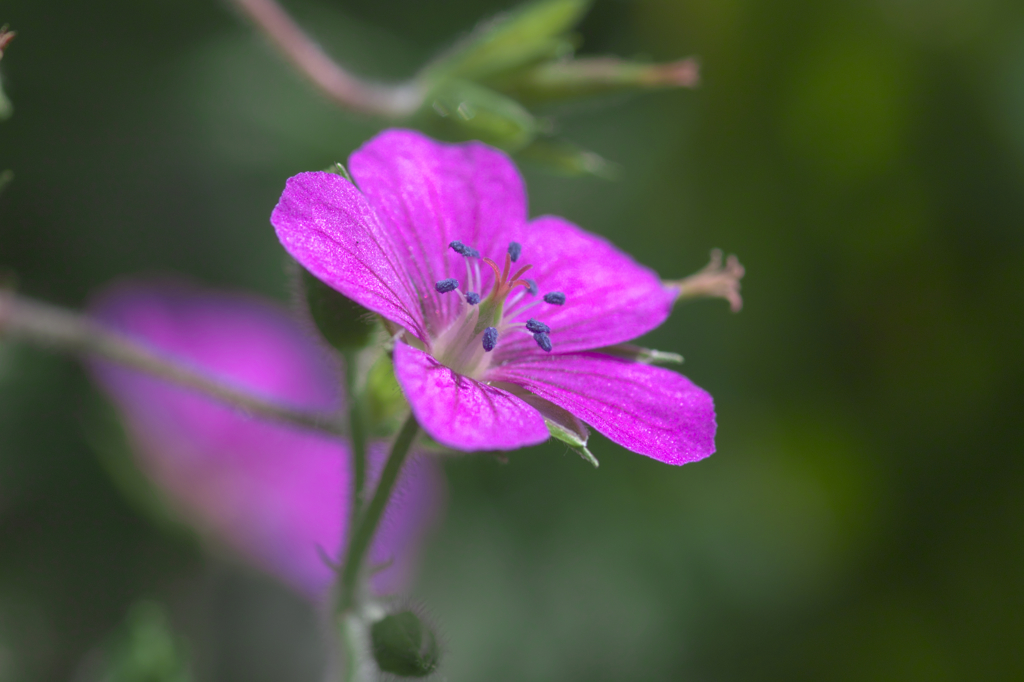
x,y
472,298
463,250
514,249
543,341
446,285
537,327
555,298
491,338
532,286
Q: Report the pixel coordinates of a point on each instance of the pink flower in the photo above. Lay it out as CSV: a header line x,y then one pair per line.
x,y
279,495
505,323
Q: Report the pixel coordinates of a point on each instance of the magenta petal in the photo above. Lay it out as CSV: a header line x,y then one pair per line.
x,y
273,493
325,224
649,410
428,194
462,413
610,298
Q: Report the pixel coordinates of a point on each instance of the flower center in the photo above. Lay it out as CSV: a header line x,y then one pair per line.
x,y
482,323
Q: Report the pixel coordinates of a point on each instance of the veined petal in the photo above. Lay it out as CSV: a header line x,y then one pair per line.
x,y
276,494
649,410
462,413
428,194
327,225
610,298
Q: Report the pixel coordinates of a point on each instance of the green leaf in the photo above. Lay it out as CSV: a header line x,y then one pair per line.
x,y
530,33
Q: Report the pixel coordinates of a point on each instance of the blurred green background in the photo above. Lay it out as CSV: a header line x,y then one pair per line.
x,y
863,518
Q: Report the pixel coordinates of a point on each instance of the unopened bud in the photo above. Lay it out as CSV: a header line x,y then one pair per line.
x,y
404,645
342,321
461,110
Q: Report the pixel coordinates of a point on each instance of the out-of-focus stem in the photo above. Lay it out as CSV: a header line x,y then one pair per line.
x,y
44,324
328,76
366,527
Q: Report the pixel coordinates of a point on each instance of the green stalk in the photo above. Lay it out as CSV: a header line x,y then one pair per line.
x,y
357,430
359,540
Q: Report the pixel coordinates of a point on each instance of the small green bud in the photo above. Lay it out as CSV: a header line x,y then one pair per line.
x,y
404,645
461,110
342,321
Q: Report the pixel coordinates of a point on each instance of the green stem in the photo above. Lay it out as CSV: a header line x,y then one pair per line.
x,y
359,540
357,431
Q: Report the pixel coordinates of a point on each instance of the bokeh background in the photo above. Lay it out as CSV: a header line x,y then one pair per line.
x,y
863,518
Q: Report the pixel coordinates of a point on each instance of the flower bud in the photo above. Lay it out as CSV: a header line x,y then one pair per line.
x,y
404,645
342,321
460,110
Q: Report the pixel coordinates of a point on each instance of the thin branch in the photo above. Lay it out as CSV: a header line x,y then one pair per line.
x,y
345,89
44,324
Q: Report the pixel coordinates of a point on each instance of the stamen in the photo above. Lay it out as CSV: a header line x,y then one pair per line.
x,y
446,285
555,298
493,266
532,286
491,339
463,250
508,266
514,251
520,271
472,298
537,327
543,341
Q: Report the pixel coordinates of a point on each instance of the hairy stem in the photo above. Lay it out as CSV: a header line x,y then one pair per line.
x,y
357,431
366,527
345,89
44,324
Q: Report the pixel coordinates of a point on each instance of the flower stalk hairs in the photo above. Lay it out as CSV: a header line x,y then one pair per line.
x,y
506,330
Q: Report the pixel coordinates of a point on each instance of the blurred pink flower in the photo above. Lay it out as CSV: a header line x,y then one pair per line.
x,y
272,492
415,242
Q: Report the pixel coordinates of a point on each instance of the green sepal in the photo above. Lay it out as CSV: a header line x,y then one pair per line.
x,y
344,323
530,33
386,406
460,110
572,439
646,356
565,158
404,645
